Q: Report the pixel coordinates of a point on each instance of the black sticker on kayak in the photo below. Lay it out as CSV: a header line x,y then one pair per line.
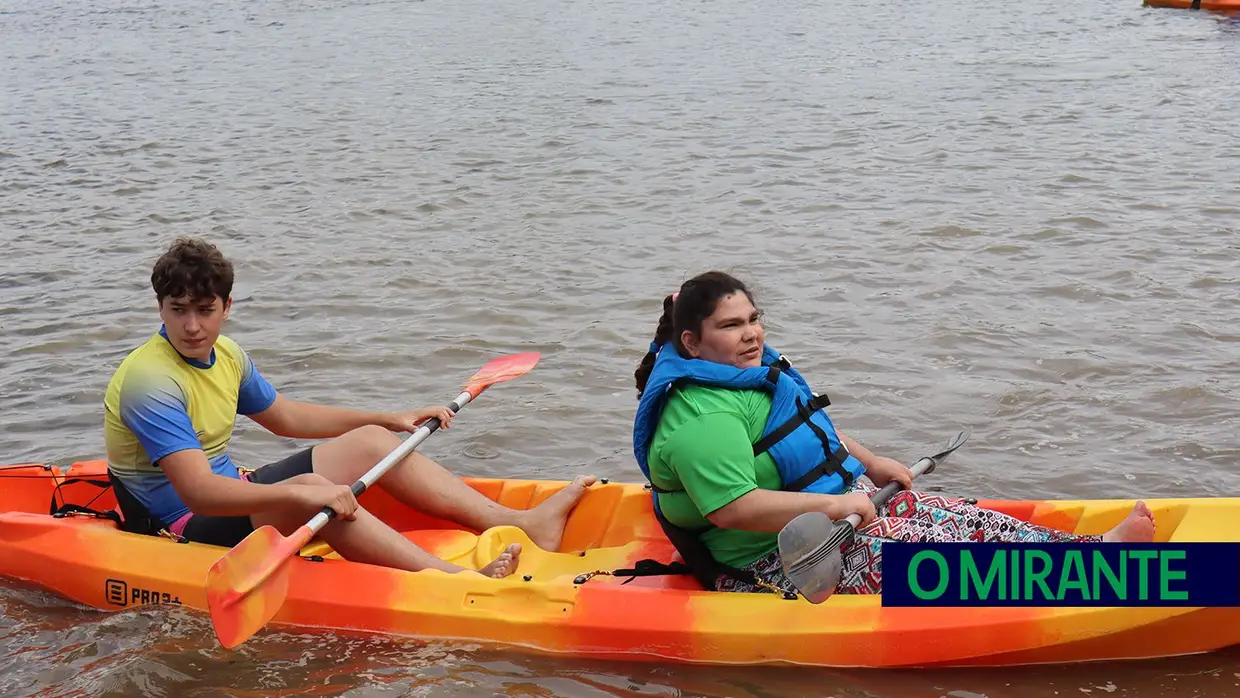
x,y
119,593
116,592
145,596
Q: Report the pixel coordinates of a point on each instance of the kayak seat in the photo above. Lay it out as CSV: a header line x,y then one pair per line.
x,y
81,489
472,550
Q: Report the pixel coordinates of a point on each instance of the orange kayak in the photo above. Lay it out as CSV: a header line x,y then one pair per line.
x,y
545,608
1209,5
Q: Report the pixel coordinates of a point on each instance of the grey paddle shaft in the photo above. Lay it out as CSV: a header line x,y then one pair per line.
x,y
921,467
887,492
380,469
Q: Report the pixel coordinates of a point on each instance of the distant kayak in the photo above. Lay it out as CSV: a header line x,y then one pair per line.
x,y
1210,5
548,607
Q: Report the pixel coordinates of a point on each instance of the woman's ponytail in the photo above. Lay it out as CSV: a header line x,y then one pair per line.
x,y
662,335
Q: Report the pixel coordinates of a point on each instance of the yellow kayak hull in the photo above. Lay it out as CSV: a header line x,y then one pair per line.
x,y
542,609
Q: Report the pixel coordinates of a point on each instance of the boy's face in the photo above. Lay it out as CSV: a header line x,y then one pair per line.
x,y
193,324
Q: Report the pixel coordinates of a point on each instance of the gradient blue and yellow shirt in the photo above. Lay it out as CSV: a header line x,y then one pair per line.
x,y
160,402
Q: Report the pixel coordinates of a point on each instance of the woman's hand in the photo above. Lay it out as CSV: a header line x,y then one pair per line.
x,y
409,421
855,503
882,470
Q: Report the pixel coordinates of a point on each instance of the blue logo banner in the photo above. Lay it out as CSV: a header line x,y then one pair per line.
x,y
1061,574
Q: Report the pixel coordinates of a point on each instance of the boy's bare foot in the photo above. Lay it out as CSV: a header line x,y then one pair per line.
x,y
545,522
505,564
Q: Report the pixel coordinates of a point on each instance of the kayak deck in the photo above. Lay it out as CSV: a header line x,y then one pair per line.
x,y
543,609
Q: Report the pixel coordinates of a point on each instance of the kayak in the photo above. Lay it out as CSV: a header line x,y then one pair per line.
x,y
550,606
1210,5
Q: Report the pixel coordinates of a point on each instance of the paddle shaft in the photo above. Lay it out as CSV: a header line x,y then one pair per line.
x,y
891,488
380,469
843,531
924,465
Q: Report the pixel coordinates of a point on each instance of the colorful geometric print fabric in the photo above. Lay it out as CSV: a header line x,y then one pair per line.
x,y
913,517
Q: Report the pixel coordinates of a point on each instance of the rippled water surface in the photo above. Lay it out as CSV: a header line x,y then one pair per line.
x,y
1016,217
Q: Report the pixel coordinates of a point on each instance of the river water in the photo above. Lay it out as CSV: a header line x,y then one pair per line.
x,y
1017,218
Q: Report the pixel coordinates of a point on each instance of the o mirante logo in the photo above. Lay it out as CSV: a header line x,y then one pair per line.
x,y
1061,574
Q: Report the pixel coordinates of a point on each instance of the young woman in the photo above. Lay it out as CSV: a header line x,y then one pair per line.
x,y
736,445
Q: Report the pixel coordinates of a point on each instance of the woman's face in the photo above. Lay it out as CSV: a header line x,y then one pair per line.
x,y
733,335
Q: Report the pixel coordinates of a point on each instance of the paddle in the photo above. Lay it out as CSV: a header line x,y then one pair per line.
x,y
248,584
809,545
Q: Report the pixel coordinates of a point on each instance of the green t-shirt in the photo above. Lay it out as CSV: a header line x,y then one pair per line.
x,y
704,446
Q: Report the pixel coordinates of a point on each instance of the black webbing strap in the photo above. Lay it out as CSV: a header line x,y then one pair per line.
x,y
804,412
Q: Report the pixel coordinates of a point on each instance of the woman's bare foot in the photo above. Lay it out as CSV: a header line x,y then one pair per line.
x,y
505,564
545,523
1137,528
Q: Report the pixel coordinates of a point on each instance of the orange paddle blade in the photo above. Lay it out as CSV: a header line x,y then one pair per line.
x,y
501,369
248,584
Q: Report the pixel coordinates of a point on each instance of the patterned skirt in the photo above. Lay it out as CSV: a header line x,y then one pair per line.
x,y
908,516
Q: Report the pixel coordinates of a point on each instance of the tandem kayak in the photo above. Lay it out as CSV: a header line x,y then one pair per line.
x,y
548,607
1208,5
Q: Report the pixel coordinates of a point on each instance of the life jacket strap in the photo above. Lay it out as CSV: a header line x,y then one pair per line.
x,y
804,412
698,560
651,568
832,464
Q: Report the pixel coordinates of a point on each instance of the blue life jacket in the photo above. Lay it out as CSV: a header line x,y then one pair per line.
x,y
799,436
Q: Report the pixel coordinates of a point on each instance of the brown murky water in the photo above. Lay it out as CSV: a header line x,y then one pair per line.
x,y
1019,218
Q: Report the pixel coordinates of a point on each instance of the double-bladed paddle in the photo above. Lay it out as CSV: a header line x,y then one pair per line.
x,y
247,586
809,545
